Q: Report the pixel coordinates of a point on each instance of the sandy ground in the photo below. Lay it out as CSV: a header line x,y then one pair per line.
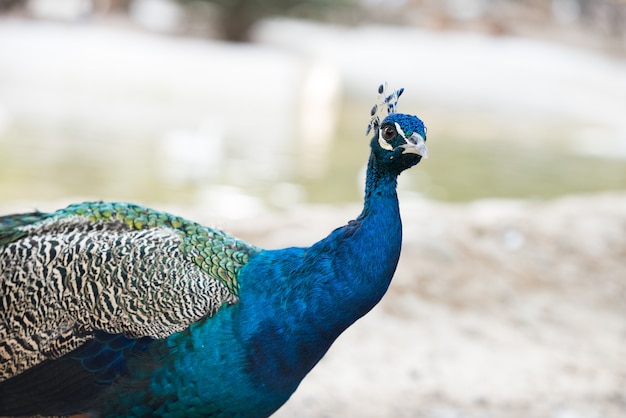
x,y
498,308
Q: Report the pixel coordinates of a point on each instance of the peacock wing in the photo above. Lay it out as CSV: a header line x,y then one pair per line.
x,y
108,269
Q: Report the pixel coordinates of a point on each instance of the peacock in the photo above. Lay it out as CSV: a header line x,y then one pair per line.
x,y
115,309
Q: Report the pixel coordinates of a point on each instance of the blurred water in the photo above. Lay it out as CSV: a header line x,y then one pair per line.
x,y
107,113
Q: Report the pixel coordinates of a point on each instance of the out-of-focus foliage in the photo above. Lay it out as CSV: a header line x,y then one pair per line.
x,y
6,5
236,17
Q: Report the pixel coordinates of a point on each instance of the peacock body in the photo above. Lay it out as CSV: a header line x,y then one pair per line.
x,y
114,309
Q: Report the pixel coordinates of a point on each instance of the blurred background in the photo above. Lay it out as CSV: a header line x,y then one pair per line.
x,y
510,298
204,102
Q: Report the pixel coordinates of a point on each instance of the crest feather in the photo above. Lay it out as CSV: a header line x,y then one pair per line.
x,y
388,101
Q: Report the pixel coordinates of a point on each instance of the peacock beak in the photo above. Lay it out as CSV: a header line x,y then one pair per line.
x,y
416,144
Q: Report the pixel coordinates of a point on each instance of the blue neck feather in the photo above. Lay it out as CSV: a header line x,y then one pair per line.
x,y
313,294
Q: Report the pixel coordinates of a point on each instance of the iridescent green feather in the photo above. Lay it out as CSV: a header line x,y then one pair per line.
x,y
215,252
11,225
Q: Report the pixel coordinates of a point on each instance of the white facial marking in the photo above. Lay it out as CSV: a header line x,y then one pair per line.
x,y
383,144
400,131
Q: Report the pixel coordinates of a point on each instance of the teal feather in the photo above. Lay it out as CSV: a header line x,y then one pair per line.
x,y
116,309
12,226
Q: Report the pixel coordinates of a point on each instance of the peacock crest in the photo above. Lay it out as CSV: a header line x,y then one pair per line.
x,y
388,101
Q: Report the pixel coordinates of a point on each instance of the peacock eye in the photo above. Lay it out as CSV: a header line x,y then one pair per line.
x,y
388,132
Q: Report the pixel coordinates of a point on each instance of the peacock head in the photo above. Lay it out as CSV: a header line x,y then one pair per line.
x,y
399,141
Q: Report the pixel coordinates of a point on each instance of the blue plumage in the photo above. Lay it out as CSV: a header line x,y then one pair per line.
x,y
153,315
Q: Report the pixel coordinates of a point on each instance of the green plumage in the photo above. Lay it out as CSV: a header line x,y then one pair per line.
x,y
217,253
11,225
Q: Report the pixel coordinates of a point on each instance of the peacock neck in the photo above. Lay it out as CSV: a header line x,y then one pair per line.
x,y
380,230
380,186
296,301
364,253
